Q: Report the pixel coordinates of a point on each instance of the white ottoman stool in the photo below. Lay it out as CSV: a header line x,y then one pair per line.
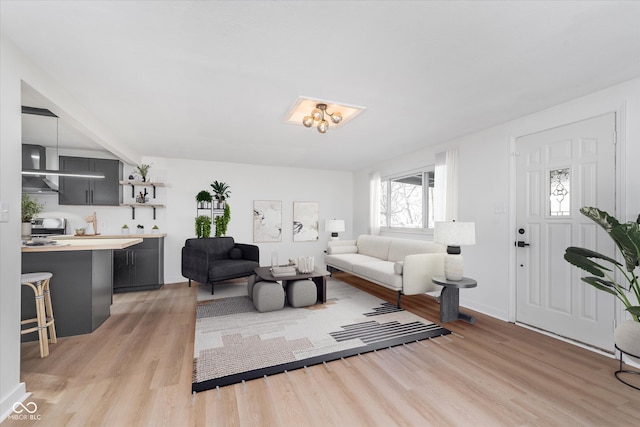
x,y
302,293
268,296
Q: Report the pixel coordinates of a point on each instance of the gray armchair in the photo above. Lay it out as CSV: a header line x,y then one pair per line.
x,y
216,259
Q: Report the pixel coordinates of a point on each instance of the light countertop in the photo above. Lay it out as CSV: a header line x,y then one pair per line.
x,y
110,236
85,244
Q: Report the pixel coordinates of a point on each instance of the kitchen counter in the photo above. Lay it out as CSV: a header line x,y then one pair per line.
x,y
70,243
111,236
82,282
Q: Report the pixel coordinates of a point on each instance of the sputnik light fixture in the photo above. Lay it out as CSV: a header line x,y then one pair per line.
x,y
317,118
321,114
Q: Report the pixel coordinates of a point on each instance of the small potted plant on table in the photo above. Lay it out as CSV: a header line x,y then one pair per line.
x,y
125,229
30,209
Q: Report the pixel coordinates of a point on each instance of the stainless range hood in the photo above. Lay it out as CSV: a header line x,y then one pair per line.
x,y
34,157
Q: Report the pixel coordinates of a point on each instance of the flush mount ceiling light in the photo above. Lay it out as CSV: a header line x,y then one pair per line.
x,y
321,114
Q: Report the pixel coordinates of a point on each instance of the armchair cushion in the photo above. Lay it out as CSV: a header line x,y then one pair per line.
x,y
235,253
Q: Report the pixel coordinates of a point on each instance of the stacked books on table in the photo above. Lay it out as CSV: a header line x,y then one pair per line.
x,y
283,271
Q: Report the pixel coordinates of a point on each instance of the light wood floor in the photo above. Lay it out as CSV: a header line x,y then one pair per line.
x,y
135,370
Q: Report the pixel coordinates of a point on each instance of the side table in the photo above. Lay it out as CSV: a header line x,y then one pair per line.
x,y
450,298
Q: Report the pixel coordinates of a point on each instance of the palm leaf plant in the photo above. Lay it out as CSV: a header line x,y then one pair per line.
x,y
221,190
627,238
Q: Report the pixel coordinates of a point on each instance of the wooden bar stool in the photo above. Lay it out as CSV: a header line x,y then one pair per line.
x,y
44,320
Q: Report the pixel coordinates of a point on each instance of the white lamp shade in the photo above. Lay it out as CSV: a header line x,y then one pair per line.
x,y
334,225
455,233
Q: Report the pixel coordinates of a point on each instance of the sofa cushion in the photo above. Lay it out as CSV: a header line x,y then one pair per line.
x,y
235,253
345,262
215,247
229,268
380,272
400,248
374,246
334,250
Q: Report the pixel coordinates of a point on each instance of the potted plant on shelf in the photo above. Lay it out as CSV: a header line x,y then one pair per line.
x,y
143,170
155,229
204,199
625,287
203,226
222,221
221,192
125,229
30,209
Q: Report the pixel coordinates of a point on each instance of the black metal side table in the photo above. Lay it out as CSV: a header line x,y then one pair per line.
x,y
450,298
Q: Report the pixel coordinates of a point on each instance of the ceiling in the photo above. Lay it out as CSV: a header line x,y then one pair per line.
x,y
215,80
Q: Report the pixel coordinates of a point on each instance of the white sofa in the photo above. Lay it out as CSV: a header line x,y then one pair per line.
x,y
404,265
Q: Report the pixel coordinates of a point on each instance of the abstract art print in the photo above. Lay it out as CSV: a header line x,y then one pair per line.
x,y
305,221
267,221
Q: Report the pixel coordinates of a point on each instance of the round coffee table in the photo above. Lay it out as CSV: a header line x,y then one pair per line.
x,y
450,298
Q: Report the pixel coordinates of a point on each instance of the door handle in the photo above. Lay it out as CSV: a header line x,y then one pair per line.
x,y
521,244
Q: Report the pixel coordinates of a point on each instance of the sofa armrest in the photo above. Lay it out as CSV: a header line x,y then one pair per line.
x,y
418,270
249,252
195,264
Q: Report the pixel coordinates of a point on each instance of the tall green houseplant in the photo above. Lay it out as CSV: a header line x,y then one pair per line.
x,y
222,221
203,226
627,238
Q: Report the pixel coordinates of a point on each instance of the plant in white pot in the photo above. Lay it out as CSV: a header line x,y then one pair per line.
x,y
626,286
30,209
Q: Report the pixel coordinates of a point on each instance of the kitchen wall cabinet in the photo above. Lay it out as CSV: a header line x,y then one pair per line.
x,y
139,267
89,191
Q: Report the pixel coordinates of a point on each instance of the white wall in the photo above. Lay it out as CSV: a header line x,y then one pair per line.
x,y
486,173
185,178
11,389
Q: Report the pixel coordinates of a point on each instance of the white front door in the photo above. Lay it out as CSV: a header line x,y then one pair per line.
x,y
558,171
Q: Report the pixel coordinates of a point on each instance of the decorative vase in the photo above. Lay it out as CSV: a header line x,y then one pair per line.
x,y
627,338
125,230
144,179
25,230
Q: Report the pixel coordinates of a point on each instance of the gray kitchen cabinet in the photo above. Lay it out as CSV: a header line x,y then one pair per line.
x,y
139,267
90,191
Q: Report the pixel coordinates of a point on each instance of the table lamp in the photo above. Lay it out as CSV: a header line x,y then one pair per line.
x,y
335,226
454,234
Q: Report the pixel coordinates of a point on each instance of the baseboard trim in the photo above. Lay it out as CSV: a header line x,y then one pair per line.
x,y
19,394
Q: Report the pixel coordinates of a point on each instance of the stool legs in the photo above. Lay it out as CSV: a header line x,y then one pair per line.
x,y
49,313
44,319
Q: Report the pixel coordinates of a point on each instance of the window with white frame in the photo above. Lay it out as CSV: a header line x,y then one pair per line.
x,y
407,200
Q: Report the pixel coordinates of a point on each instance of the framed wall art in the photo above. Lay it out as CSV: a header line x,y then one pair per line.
x,y
267,221
305,221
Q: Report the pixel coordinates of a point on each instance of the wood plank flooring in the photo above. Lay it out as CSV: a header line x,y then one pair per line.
x,y
135,370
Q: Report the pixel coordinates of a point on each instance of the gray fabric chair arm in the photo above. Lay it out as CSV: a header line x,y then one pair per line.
x,y
195,264
249,252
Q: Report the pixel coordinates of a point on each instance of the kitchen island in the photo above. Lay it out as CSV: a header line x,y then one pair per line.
x,y
81,286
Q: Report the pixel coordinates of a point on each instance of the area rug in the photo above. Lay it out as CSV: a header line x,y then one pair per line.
x,y
235,343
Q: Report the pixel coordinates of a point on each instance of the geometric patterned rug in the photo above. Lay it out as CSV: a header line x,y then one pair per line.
x,y
234,342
